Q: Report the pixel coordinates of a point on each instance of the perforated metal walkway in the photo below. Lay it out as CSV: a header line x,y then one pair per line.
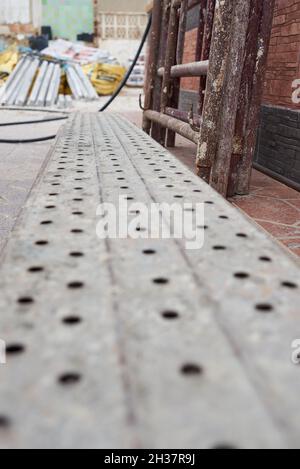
x,y
142,343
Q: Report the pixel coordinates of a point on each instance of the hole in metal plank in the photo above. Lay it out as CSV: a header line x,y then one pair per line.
x,y
69,379
191,369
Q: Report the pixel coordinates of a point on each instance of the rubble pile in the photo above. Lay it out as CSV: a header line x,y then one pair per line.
x,y
57,75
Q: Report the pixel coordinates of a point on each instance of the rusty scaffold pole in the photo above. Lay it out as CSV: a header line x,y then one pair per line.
x,y
156,131
170,61
209,131
179,52
201,28
231,53
233,95
166,119
152,80
245,94
222,163
182,31
260,47
209,22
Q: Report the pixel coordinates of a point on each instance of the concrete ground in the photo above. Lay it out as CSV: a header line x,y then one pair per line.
x,y
272,205
20,164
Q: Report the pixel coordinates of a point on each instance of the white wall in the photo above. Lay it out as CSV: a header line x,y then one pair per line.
x,y
14,11
36,13
137,6
21,11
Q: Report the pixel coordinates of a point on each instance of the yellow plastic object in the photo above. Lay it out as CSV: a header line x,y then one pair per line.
x,y
104,77
8,60
64,87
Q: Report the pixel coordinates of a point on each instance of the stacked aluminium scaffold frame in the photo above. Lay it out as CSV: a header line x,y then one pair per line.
x,y
230,60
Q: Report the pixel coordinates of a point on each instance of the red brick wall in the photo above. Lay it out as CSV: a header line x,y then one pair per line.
x,y
190,84
283,61
284,54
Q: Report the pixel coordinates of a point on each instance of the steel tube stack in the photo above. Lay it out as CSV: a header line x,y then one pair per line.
x,y
35,81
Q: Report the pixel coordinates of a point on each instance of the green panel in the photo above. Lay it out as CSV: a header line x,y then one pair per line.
x,y
68,17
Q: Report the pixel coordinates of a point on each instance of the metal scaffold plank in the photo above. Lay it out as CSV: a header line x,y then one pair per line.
x,y
12,80
53,86
38,84
90,92
26,84
13,91
141,343
41,99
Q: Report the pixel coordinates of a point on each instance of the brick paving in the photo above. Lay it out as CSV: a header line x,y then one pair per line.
x,y
275,207
272,205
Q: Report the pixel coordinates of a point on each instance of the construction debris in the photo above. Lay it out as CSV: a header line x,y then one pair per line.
x,y
137,78
77,52
105,78
63,71
36,82
79,83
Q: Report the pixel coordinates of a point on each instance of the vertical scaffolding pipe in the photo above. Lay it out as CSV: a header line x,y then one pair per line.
x,y
179,51
210,128
245,169
170,55
152,80
201,27
170,60
210,12
222,162
166,5
245,93
182,31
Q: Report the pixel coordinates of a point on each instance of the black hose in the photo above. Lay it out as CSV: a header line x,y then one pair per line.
x,y
130,70
7,124
32,109
33,140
